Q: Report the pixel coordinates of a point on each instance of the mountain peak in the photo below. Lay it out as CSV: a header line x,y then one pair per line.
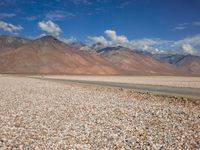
x,y
48,40
113,49
48,37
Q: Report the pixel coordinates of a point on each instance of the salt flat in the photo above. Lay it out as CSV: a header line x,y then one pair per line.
x,y
39,114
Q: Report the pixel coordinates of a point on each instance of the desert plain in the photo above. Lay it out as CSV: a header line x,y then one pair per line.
x,y
44,114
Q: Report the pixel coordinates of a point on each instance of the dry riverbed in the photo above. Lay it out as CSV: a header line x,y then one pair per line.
x,y
38,114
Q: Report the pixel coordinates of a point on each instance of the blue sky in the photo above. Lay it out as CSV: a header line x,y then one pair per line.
x,y
163,21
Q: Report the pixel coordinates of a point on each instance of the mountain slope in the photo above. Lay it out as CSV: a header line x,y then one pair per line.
x,y
136,63
48,55
188,63
10,42
169,58
80,46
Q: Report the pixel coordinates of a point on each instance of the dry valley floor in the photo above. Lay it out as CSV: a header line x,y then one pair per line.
x,y
38,114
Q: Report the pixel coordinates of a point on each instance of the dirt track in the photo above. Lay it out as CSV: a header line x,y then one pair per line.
x,y
177,86
173,81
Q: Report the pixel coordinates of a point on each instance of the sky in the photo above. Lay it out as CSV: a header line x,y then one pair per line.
x,y
150,25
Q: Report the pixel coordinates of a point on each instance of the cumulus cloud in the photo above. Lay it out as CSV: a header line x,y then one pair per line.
x,y
188,49
50,27
145,44
8,27
188,44
121,40
193,40
99,39
118,39
184,46
59,15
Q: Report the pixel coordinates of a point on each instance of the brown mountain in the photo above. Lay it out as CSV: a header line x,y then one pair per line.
x,y
188,63
51,56
47,55
10,42
136,63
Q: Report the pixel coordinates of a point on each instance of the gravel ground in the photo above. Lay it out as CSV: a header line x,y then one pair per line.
x,y
37,114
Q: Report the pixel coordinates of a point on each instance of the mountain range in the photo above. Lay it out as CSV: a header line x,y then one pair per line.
x,y
188,63
48,55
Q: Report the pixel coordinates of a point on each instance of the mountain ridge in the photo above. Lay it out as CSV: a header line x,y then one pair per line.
x,y
49,55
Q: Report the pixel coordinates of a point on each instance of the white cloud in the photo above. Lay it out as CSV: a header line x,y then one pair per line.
x,y
31,18
79,2
193,40
50,27
188,49
99,39
7,15
145,44
121,39
38,36
8,27
181,26
68,40
187,44
59,15
184,46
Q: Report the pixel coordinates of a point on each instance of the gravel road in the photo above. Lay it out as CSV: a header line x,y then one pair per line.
x,y
172,81
157,89
37,114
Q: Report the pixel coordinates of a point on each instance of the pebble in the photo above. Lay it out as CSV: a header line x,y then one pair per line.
x,y
37,114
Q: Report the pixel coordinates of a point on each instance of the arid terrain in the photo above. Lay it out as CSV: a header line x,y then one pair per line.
x,y
41,114
99,75
174,81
